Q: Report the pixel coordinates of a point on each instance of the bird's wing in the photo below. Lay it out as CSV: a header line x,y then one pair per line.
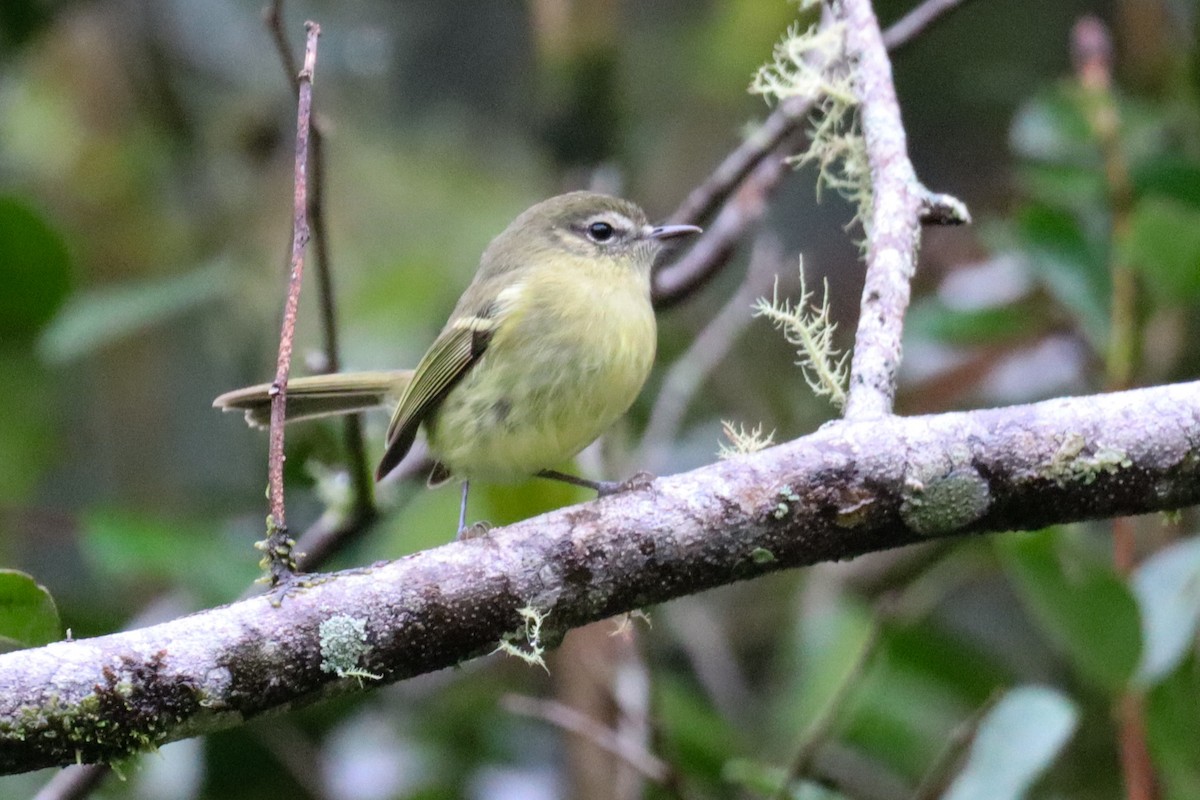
x,y
450,356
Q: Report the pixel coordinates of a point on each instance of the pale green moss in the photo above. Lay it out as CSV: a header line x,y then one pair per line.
x,y
343,644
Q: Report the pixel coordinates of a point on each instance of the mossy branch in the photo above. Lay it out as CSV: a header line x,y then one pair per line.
x,y
848,489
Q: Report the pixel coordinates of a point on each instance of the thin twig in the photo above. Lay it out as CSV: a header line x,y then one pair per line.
x,y
824,725
702,201
716,246
278,544
1092,55
933,784
333,529
364,511
688,373
570,720
905,29
1137,765
74,782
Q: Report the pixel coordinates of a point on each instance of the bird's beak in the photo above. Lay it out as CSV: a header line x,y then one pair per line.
x,y
671,231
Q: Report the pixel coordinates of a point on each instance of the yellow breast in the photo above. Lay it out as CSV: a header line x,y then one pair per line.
x,y
569,356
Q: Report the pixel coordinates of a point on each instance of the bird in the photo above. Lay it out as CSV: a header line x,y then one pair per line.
x,y
547,347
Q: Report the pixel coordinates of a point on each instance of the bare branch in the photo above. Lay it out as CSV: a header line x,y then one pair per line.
x,y
914,22
848,489
826,721
279,544
569,719
893,225
364,511
715,247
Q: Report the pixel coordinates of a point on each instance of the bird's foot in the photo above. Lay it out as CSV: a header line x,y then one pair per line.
x,y
602,488
639,480
475,530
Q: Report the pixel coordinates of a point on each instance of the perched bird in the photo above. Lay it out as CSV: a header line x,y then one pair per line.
x,y
548,346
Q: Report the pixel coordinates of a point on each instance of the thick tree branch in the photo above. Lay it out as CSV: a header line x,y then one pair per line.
x,y
848,489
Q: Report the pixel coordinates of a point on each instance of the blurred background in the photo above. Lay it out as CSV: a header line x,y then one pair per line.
x,y
145,220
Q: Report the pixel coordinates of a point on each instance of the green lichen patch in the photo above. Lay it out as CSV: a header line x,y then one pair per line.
x,y
761,555
343,642
943,492
1075,462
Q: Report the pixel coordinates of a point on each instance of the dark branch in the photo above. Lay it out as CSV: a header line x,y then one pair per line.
x,y
908,27
718,243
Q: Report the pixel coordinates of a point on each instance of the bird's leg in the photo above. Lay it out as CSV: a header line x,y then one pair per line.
x,y
475,529
602,488
462,509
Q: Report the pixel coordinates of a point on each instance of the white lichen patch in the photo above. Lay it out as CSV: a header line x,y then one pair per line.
x,y
743,441
787,496
812,63
343,642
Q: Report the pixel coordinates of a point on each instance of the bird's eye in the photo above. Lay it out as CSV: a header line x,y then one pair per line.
x,y
600,232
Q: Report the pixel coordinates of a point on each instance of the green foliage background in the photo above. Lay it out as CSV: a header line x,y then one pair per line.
x,y
145,176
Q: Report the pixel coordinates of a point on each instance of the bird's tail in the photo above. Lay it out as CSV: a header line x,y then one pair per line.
x,y
319,395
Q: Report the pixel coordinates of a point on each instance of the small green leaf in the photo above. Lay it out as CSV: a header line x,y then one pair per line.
x,y
35,271
1080,604
694,736
1164,245
1170,177
1167,588
1015,744
28,617
1072,268
95,319
931,319
764,780
132,548
1053,128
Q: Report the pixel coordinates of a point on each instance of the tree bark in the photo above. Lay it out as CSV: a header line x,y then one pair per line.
x,y
850,488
